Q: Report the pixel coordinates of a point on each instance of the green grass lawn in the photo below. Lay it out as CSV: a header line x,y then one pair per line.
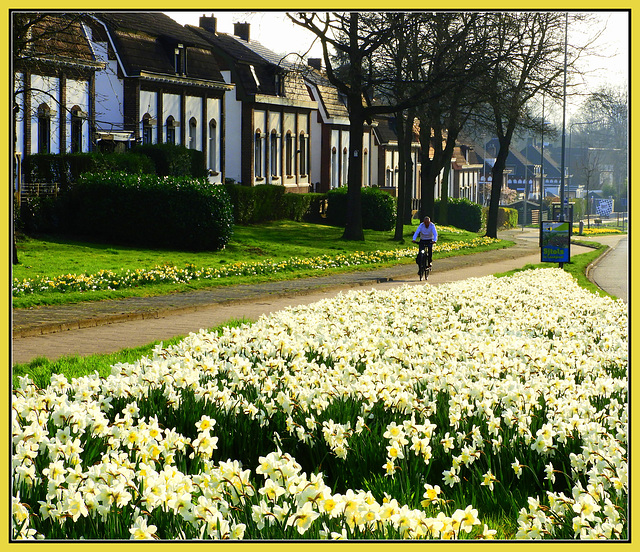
x,y
52,257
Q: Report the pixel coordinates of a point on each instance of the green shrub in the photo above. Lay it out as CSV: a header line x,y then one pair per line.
x,y
316,209
378,208
39,215
172,159
462,213
65,169
179,212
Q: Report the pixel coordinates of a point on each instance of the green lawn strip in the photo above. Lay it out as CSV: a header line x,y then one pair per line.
x,y
40,369
50,258
577,267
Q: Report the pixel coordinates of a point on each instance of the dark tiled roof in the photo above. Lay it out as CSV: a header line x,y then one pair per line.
x,y
155,24
54,36
146,42
329,95
386,129
255,67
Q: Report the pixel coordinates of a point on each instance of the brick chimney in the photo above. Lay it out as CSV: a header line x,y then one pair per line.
x,y
241,30
315,63
208,23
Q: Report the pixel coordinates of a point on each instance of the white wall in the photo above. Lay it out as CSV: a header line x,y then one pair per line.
x,y
149,104
214,111
77,94
45,90
193,108
109,92
232,132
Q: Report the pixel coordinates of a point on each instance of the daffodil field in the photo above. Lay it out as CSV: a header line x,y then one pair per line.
x,y
487,408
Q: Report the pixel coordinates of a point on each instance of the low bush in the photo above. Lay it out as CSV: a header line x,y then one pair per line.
x,y
378,208
267,202
173,160
184,213
462,213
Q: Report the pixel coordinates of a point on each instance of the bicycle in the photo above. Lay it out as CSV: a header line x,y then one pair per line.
x,y
424,268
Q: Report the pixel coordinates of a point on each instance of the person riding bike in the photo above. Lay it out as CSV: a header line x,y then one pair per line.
x,y
428,236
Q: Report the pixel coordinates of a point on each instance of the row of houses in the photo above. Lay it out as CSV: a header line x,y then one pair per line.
x,y
107,81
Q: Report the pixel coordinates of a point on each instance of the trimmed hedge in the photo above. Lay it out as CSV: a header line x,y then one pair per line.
x,y
378,208
173,159
267,202
66,168
182,213
462,213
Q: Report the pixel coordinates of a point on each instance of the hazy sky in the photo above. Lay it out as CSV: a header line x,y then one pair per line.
x,y
610,67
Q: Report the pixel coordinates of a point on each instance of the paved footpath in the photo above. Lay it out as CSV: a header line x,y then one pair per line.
x,y
109,326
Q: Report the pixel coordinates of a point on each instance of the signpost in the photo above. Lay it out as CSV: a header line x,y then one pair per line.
x,y
555,241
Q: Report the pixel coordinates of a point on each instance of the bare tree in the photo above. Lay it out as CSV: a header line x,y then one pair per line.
x,y
532,45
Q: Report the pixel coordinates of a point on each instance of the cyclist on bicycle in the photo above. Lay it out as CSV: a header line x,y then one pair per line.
x,y
428,236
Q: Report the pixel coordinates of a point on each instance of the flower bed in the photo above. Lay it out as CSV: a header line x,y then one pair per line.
x,y
111,280
441,412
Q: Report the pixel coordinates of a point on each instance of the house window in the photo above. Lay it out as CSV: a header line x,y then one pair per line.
x,y
365,167
288,153
213,142
147,128
171,130
274,153
334,168
77,118
258,154
44,128
180,60
389,182
345,165
193,128
304,154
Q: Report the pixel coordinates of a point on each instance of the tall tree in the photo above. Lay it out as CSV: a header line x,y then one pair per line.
x,y
532,48
354,38
459,52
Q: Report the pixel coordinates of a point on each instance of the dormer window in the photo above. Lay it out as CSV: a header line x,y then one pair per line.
x,y
255,76
279,84
180,60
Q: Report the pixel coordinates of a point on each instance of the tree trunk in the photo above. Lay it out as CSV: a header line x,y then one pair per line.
x,y
497,175
353,230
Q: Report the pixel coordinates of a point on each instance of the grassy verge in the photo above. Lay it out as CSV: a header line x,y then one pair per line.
x,y
54,257
577,267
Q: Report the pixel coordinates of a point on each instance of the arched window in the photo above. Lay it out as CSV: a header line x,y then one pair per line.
x,y
288,153
193,129
148,123
258,154
171,129
345,166
365,167
44,128
304,154
334,168
213,143
77,118
274,152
